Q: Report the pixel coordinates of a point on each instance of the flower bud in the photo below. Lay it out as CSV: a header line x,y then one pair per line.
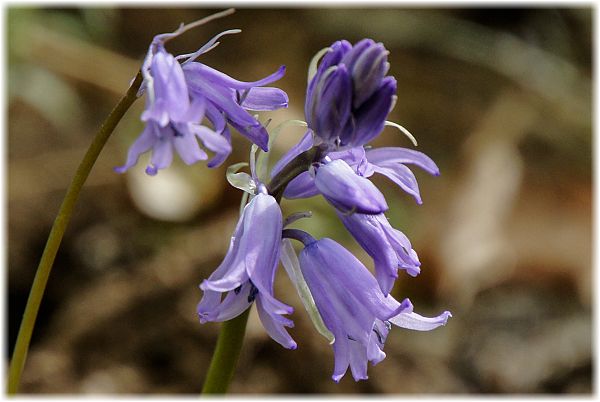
x,y
350,96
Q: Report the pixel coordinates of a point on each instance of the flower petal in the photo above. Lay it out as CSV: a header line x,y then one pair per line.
x,y
358,360
263,220
402,176
196,69
211,140
302,186
142,144
235,303
220,157
347,191
169,87
370,117
232,265
368,72
274,327
414,321
187,146
215,116
331,58
162,153
265,98
389,155
332,106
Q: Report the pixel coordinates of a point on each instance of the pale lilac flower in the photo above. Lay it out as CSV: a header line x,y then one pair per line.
x,y
180,96
248,271
349,97
390,249
352,305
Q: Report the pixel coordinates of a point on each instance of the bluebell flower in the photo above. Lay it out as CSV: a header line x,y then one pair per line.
x,y
350,96
353,307
390,249
180,95
248,271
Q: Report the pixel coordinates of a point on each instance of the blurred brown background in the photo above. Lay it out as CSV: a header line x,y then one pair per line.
x,y
499,98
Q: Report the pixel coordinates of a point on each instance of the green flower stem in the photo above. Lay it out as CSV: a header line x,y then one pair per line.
x,y
231,337
56,234
225,357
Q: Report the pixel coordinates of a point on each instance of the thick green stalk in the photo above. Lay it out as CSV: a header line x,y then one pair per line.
x,y
226,354
56,234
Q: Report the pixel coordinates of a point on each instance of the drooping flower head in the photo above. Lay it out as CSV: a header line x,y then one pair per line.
x,y
352,305
350,96
181,92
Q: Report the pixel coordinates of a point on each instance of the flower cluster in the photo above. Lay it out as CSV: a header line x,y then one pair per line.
x,y
348,99
181,93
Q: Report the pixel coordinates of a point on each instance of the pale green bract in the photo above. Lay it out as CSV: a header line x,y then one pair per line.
x,y
290,262
241,180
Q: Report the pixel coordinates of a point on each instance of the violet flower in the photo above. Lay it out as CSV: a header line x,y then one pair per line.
x,y
248,271
349,97
390,249
180,96
352,305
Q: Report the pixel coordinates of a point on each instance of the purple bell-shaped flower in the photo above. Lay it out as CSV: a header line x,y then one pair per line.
x,y
248,271
352,305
